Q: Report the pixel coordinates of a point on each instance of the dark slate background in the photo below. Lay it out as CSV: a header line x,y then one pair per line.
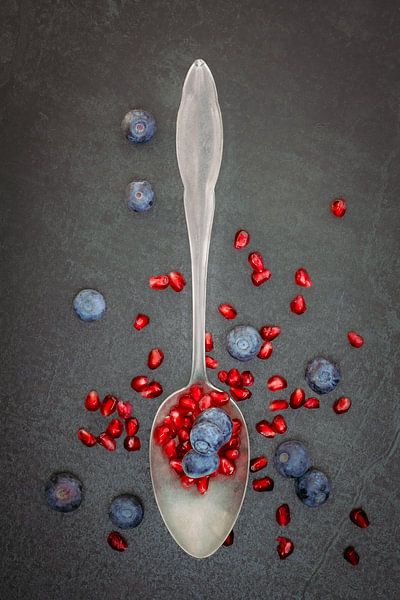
x,y
309,93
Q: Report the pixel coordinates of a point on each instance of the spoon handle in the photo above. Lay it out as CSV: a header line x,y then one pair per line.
x,y
199,141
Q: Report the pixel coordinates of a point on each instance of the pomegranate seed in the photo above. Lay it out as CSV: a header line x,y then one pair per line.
x,y
233,443
265,484
186,481
240,393
183,434
87,438
283,515
258,278
256,261
132,444
265,350
279,424
359,518
168,421
219,398
278,405
159,282
202,484
141,321
92,401
205,402
229,539
196,392
208,341
155,358
341,405
237,426
211,363
169,449
338,207
162,434
232,454
152,390
139,382
298,305
234,378
124,409
117,542
176,465
227,311
177,281
242,239
265,429
285,547
302,278
226,466
108,442
109,405
297,398
276,383
355,339
223,376
351,555
258,463
115,428
311,403
131,426
247,378
187,403
270,332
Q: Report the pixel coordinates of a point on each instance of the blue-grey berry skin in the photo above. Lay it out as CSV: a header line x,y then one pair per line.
x,y
218,417
126,511
138,126
291,459
63,492
206,438
140,196
89,305
243,342
199,465
313,488
322,375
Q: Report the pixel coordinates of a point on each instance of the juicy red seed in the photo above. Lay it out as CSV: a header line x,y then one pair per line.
x,y
240,393
226,466
265,350
177,281
359,518
298,305
247,378
155,358
108,405
233,443
229,540
202,484
115,428
260,277
124,409
341,405
176,465
302,278
227,311
205,402
108,442
258,463
186,481
297,398
234,378
131,426
270,332
351,555
132,444
188,403
311,403
169,449
168,421
265,484
117,542
279,424
208,341
338,207
222,376
283,515
196,392
162,434
256,261
183,434
276,383
87,438
152,390
355,339
141,321
232,454
139,382
219,398
285,547
265,429
211,363
242,239
92,401
159,282
278,405
237,426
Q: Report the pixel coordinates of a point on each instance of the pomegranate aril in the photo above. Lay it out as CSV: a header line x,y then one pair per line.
x,y
355,339
219,398
131,426
229,540
233,443
232,454
108,442
169,422
234,378
338,207
108,405
283,515
247,378
265,484
117,542
279,424
297,398
208,341
124,409
276,383
177,281
152,390
115,428
187,481
298,305
265,350
139,382
226,466
92,401
87,438
237,426
341,405
176,465
183,434
302,278
270,332
132,444
159,282
187,403
359,518
155,358
242,239
211,363
202,484
258,278
285,547
141,321
275,405
205,402
240,393
196,392
169,449
311,403
351,555
162,433
265,429
256,261
222,376
227,311
258,463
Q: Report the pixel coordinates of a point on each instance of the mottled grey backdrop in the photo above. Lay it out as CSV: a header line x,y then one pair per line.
x,y
309,93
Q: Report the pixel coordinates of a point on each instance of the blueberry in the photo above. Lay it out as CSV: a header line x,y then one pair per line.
x,y
322,375
313,488
140,196
89,305
126,511
206,437
63,492
199,465
218,417
243,342
291,459
138,126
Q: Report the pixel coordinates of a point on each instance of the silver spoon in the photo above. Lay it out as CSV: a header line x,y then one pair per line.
x,y
199,523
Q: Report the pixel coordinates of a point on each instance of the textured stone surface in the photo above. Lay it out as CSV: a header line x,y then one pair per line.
x,y
309,95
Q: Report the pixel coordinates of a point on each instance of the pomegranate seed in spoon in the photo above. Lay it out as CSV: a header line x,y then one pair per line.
x,y
141,321
202,484
242,239
302,278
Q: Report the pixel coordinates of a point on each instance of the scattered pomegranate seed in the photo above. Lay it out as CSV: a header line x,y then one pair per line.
x,y
234,378
237,426
155,358
139,382
141,321
265,484
108,405
196,392
177,281
258,463
278,405
176,465
265,350
226,466
205,402
115,428
311,403
162,433
270,332
276,383
298,305
232,454
117,542
159,282
283,515
211,363
131,426
355,339
169,449
87,438
240,393
279,424
359,518
92,401
152,390
108,442
265,429
124,409
227,311
132,444
208,341
351,555
302,278
187,481
222,376
219,398
229,540
256,261
338,207
341,405
202,484
242,239
260,277
247,378
285,547
297,398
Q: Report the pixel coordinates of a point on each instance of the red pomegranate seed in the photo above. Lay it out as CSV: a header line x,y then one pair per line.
x,y
233,443
159,282
155,358
240,393
276,383
258,463
229,540
234,378
168,421
202,484
183,434
226,466
92,401
278,405
205,402
131,426
311,403
141,321
232,454
258,278
298,305
177,281
359,518
109,405
355,339
211,363
341,405
152,390
297,398
87,438
237,426
279,424
285,547
139,382
169,449
247,378
265,484
265,350
351,555
265,429
132,444
208,341
196,392
242,239
108,442
187,481
162,434
176,465
187,403
124,409
338,207
115,428
219,398
256,261
302,278
283,515
270,332
227,311
223,376
117,542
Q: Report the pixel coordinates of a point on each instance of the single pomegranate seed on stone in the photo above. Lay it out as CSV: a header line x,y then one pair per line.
x,y
177,281
237,426
234,378
115,428
258,463
162,434
247,378
92,401
176,465
139,382
124,409
311,403
132,444
141,321
227,311
211,363
108,442
226,466
265,429
256,261
359,518
283,515
242,239
219,398
355,339
232,454
229,540
302,278
275,405
276,383
196,392
169,449
186,481
117,542
223,376
338,207
208,341
270,332
351,555
265,350
205,402
131,426
152,390
87,438
108,405
159,282
155,358
285,547
260,277
265,484
341,405
297,398
298,305
279,424
202,484
240,393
